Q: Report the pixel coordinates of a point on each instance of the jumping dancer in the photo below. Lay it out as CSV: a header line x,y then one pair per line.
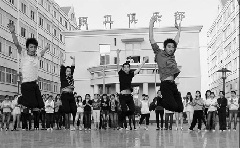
x,y
67,85
168,70
125,79
31,95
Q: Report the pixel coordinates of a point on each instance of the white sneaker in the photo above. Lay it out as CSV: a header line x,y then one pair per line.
x,y
181,128
48,129
73,129
127,129
51,129
146,128
213,130
176,128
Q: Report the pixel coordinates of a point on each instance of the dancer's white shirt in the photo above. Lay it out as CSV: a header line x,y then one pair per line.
x,y
233,105
30,65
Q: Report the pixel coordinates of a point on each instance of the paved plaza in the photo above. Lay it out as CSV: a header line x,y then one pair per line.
x,y
116,139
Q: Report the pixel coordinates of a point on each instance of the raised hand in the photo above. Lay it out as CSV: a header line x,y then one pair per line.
x,y
11,27
72,57
153,19
178,26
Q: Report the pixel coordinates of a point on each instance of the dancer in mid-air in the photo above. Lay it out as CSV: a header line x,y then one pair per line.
x,y
171,98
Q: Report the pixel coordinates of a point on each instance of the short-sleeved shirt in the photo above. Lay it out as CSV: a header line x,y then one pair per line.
x,y
87,107
198,104
167,65
233,103
104,104
30,66
96,104
125,79
66,81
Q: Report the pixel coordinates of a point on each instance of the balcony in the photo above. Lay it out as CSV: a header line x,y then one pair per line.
x,y
146,74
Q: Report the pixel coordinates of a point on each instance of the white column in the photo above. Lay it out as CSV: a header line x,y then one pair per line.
x,y
145,88
117,87
96,89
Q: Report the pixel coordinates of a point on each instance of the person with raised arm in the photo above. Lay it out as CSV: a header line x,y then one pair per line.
x,y
168,70
31,95
125,79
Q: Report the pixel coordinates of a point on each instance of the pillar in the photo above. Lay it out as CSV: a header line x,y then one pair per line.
x,y
95,89
145,88
117,86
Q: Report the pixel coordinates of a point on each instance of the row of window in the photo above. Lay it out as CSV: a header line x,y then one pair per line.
x,y
49,66
8,75
8,48
47,85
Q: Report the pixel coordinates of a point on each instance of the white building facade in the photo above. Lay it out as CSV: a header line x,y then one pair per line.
x,y
223,48
86,46
44,20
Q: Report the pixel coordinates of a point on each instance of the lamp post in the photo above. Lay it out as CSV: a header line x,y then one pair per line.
x,y
224,75
18,81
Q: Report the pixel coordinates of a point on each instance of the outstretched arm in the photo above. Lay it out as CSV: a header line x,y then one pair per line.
x,y
178,26
15,40
151,24
73,58
44,50
118,60
139,68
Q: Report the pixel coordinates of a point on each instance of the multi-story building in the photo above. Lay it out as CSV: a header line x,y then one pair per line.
x,y
44,20
223,47
89,46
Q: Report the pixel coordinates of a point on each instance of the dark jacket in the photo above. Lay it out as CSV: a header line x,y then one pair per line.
x,y
222,104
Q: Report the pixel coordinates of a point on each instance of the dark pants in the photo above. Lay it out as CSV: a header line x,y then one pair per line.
x,y
36,119
132,120
49,120
61,119
211,120
171,98
222,119
26,121
121,120
43,119
87,116
197,117
146,117
6,116
167,115
127,106
159,112
31,95
57,119
68,103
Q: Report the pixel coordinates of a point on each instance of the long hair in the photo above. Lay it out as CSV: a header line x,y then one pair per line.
x,y
191,98
206,93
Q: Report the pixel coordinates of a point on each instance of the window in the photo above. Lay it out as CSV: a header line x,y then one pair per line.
x,y
55,14
48,7
2,74
61,20
104,59
54,32
66,25
32,15
14,76
11,21
23,8
40,21
32,35
23,32
48,27
11,1
1,18
8,75
61,38
0,46
9,50
42,2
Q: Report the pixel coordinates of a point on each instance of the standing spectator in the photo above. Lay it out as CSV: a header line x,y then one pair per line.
x,y
159,110
96,102
168,114
7,109
26,118
36,115
105,111
211,104
233,104
207,96
49,108
113,111
16,113
145,113
57,113
87,104
79,114
198,111
222,114
188,107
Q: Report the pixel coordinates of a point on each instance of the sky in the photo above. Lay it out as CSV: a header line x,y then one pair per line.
x,y
197,12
